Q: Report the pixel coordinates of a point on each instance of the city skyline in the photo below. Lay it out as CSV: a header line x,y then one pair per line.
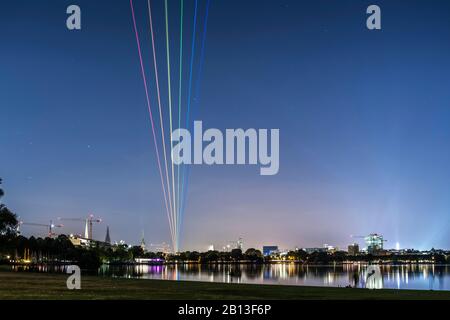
x,y
363,118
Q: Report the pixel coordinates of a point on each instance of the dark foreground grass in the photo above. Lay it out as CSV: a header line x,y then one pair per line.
x,y
53,286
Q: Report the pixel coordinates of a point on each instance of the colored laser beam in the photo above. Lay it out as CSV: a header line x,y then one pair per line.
x,y
179,110
191,67
170,110
196,98
194,31
144,78
161,119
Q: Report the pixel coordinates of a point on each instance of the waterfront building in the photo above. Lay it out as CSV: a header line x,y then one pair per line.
x,y
374,243
353,249
312,250
240,244
269,250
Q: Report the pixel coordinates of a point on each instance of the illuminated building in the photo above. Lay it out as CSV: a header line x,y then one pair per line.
x,y
143,246
374,243
269,250
331,249
353,249
240,244
312,250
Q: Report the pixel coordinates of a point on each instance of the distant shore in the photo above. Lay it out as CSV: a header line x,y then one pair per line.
x,y
306,264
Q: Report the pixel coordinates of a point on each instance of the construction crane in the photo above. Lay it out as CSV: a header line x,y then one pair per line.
x,y
49,227
89,222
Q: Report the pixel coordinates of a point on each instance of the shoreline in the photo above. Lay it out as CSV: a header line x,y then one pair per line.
x,y
118,264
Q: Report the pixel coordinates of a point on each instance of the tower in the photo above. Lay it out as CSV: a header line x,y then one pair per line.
x,y
143,242
107,238
240,244
87,230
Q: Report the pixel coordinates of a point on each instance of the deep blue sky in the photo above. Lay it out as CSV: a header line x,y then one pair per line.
x,y
363,117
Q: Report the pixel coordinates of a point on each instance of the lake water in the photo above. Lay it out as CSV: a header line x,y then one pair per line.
x,y
423,277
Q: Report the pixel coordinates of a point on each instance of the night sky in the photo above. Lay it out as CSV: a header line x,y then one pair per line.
x,y
364,119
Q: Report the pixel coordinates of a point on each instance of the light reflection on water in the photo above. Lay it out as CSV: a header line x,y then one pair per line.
x,y
423,277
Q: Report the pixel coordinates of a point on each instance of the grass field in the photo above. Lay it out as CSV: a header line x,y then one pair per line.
x,y
51,286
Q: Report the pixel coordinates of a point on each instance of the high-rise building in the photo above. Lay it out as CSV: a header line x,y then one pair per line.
x,y
107,238
374,243
312,250
240,244
353,249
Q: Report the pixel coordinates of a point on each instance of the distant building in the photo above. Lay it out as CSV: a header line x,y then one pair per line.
x,y
79,241
374,243
75,241
233,244
312,250
353,249
107,238
143,246
330,249
240,244
211,247
149,260
162,247
269,250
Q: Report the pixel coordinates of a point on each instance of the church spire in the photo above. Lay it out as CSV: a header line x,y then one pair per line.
x,y
107,238
143,241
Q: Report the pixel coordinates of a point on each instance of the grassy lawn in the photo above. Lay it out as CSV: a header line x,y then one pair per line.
x,y
51,286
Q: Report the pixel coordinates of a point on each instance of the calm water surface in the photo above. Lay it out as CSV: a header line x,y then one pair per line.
x,y
423,277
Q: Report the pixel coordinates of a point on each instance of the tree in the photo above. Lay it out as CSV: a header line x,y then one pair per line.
x,y
193,256
136,252
319,258
291,255
254,255
210,256
339,256
236,254
302,255
8,220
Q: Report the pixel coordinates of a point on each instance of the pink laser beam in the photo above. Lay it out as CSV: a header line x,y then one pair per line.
x,y
144,78
155,65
